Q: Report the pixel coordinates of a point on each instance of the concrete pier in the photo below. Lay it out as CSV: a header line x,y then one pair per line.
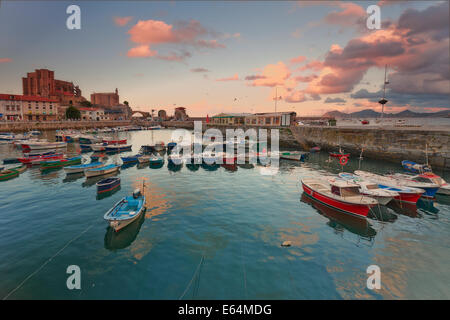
x,y
56,125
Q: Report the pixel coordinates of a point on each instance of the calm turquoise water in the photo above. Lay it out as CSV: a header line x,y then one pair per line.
x,y
214,235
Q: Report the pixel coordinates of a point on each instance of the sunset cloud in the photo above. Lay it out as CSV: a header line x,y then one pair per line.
x,y
122,21
5,60
298,59
233,78
141,52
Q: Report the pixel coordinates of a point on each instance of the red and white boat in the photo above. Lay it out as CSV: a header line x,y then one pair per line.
x,y
111,141
41,145
339,194
38,158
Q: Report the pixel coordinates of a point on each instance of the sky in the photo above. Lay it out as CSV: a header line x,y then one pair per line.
x,y
236,56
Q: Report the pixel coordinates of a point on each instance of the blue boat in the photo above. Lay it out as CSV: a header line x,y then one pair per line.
x,y
413,167
107,184
118,148
126,210
10,160
100,171
131,159
81,167
85,147
170,146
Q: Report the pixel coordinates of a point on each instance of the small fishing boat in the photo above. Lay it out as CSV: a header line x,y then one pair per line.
x,y
86,139
81,167
40,145
19,169
339,154
428,185
156,160
339,194
147,149
107,184
11,160
160,146
35,132
175,159
370,189
293,155
112,141
131,159
211,157
413,167
36,159
98,146
51,164
406,194
229,158
314,149
365,122
144,159
85,147
8,174
99,156
106,169
155,128
118,147
126,210
171,145
429,177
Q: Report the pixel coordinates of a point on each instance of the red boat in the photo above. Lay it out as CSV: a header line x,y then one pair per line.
x,y
365,122
339,154
38,158
229,158
108,141
339,194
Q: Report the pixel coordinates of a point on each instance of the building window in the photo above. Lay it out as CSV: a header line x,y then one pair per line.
x,y
268,120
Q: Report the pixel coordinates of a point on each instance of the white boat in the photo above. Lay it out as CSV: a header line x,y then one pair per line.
x,y
429,178
175,159
82,167
40,145
105,169
293,155
371,189
126,211
98,147
160,146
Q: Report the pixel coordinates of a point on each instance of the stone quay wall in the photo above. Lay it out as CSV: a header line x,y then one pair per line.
x,y
56,125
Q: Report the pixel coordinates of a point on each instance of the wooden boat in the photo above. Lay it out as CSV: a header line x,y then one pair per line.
x,y
41,145
126,211
118,147
19,169
365,122
293,155
339,154
99,156
171,145
107,184
160,146
81,167
110,168
144,159
39,158
429,186
98,146
11,160
147,149
413,167
131,159
85,147
229,158
314,149
175,159
429,177
340,195
406,194
370,189
89,139
51,164
8,174
155,160
111,141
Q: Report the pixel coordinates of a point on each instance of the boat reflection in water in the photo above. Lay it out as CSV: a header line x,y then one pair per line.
x,y
93,180
107,194
340,221
128,165
142,165
404,208
246,166
427,206
192,166
230,167
73,177
210,167
156,165
382,213
125,237
174,167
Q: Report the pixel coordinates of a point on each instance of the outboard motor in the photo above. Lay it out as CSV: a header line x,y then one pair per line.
x,y
136,193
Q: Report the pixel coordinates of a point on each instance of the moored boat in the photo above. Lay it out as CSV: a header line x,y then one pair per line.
x,y
106,169
107,184
36,159
8,174
41,145
131,159
81,167
339,194
406,194
98,146
293,155
19,169
112,141
126,211
156,159
52,164
118,147
144,159
431,187
414,167
160,146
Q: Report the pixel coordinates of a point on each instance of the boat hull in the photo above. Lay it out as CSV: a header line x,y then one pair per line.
x,y
103,187
358,210
96,173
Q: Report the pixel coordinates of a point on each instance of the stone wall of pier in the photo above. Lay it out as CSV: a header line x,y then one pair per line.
x,y
55,125
393,144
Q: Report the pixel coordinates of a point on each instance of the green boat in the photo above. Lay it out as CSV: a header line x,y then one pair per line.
x,y
20,169
8,174
45,165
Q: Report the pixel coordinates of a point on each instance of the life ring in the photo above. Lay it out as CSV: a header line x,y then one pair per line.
x,y
343,161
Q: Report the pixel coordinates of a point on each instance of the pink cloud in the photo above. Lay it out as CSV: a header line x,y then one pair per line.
x,y
122,21
141,51
5,60
233,78
350,15
272,75
298,59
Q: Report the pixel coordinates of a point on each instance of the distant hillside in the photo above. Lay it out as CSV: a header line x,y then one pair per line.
x,y
369,113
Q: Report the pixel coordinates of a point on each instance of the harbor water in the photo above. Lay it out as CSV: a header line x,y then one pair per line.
x,y
214,233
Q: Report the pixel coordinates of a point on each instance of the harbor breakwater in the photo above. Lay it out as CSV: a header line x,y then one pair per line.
x,y
392,144
57,125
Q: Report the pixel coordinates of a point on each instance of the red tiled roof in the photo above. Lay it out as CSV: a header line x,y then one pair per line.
x,y
18,97
87,109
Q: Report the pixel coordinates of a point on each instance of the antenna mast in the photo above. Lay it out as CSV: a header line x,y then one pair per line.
x,y
384,101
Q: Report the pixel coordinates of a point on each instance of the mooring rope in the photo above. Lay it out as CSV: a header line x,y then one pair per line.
x,y
193,277
46,262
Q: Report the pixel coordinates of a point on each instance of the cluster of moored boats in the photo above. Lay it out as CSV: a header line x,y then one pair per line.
x,y
356,193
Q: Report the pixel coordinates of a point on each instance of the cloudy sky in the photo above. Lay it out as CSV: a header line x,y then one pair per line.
x,y
213,57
